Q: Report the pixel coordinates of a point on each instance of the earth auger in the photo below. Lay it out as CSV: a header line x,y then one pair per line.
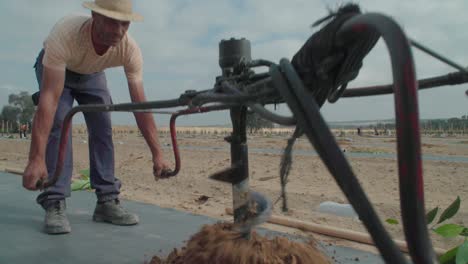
x,y
240,89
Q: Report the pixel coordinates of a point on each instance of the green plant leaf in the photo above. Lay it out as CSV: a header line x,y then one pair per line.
x,y
449,256
431,215
80,184
85,174
450,211
464,232
392,221
449,230
462,254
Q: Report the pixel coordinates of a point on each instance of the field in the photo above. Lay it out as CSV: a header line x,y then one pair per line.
x,y
203,152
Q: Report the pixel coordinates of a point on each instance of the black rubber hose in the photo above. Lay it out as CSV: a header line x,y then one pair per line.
x,y
307,113
260,62
407,125
262,111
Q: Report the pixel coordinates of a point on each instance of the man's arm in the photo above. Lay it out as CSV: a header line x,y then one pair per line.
x,y
51,90
147,126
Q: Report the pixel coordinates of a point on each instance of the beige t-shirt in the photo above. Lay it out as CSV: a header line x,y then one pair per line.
x,y
69,46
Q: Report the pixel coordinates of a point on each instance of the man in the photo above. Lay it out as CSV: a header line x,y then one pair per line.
x,y
70,67
23,130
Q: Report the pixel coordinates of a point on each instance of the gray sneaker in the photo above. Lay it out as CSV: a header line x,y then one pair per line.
x,y
56,221
113,212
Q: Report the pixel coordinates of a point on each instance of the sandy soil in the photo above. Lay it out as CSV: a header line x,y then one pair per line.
x,y
310,182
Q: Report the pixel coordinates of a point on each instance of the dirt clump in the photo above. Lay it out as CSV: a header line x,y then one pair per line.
x,y
218,243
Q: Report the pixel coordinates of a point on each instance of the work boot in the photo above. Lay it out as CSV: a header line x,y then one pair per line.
x,y
113,212
56,221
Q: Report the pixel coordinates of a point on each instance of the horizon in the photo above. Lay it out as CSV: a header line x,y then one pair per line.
x,y
78,120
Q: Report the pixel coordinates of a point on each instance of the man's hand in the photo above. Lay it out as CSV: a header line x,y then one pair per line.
x,y
51,89
148,129
35,172
160,168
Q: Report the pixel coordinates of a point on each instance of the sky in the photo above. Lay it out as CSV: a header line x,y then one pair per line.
x,y
179,41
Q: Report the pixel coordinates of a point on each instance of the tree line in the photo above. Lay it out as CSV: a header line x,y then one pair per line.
x,y
446,125
19,111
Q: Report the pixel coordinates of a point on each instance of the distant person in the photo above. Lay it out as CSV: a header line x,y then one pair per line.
x,y
71,67
389,132
376,132
23,130
359,131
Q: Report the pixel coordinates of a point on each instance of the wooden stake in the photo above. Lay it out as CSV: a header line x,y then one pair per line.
x,y
14,171
335,232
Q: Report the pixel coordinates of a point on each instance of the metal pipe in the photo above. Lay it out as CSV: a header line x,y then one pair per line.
x,y
453,78
98,108
240,161
437,56
221,98
61,152
173,130
130,106
139,107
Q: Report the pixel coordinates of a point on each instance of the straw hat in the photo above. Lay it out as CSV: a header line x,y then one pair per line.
x,y
117,9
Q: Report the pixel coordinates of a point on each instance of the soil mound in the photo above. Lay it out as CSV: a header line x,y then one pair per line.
x,y
218,243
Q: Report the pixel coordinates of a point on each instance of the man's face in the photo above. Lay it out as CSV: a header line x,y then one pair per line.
x,y
109,31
